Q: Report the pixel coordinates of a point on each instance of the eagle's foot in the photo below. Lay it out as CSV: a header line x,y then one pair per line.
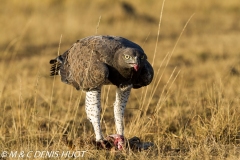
x,y
117,141
114,141
103,144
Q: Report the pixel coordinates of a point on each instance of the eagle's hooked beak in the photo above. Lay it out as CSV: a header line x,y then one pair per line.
x,y
136,65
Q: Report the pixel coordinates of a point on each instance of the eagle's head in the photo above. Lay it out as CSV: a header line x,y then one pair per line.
x,y
131,58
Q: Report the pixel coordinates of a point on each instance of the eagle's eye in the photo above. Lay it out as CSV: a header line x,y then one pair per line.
x,y
126,56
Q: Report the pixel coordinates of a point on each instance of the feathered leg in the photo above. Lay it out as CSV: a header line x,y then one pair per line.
x,y
93,109
122,95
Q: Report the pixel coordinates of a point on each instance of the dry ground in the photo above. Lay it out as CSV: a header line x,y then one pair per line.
x,y
190,111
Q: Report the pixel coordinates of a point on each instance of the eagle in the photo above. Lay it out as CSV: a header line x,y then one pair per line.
x,y
100,60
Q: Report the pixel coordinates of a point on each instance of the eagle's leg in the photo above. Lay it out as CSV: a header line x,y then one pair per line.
x,y
122,95
93,109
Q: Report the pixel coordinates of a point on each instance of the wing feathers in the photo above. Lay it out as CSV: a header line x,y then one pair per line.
x,y
86,64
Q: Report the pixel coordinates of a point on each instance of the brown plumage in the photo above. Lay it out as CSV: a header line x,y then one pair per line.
x,y
99,60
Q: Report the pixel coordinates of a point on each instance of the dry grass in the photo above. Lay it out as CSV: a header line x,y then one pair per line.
x,y
190,111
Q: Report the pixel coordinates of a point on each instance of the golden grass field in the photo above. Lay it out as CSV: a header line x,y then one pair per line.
x,y
191,109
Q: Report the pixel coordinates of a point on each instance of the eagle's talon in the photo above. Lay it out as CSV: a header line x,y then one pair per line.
x,y
103,144
117,140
